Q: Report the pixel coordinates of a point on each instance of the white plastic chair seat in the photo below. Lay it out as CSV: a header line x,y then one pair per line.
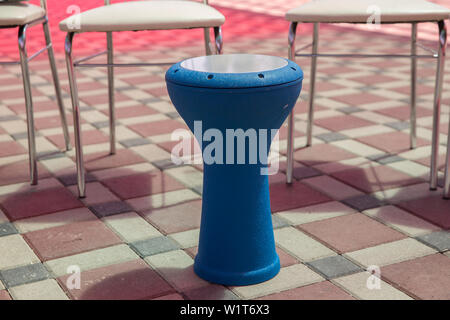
x,y
144,15
18,14
359,11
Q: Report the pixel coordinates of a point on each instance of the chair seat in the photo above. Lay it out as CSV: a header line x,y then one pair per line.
x,y
145,15
359,11
18,14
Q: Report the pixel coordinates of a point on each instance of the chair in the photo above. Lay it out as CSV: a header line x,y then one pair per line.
x,y
131,16
358,11
14,14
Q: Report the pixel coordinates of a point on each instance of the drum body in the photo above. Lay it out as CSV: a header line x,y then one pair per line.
x,y
234,117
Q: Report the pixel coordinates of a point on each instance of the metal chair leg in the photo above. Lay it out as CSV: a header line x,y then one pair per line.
x,y
290,138
76,116
207,38
437,105
59,99
112,116
447,168
412,120
218,40
28,104
312,85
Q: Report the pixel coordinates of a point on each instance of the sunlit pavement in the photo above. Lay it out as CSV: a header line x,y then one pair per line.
x,y
360,199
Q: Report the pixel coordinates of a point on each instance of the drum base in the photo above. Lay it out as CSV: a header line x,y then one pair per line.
x,y
237,279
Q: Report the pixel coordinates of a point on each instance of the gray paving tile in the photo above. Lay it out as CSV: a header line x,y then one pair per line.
x,y
331,136
25,274
153,246
110,208
349,110
7,229
439,240
71,179
173,115
135,142
23,135
164,164
9,118
385,158
334,267
363,202
101,124
398,125
279,222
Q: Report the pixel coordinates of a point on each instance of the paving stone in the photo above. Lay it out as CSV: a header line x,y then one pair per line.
x,y
110,208
172,296
186,239
7,229
401,220
305,172
130,280
332,187
4,295
350,109
288,239
25,274
398,125
41,290
164,164
92,259
135,142
315,213
363,202
439,240
331,136
71,179
278,222
153,246
323,290
290,277
356,284
176,267
333,267
385,158
15,252
161,200
426,277
211,292
391,252
131,227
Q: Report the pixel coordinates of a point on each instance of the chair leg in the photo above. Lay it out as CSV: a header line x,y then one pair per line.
x,y
28,104
207,38
312,85
447,168
76,116
412,120
290,138
218,40
59,99
112,116
437,105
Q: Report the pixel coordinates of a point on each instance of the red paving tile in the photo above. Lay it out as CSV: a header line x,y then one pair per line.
x,y
391,142
88,137
374,179
351,232
31,204
426,277
124,281
359,98
321,153
143,184
153,129
103,160
52,122
433,208
340,123
11,148
286,260
133,111
402,113
4,295
17,172
285,197
324,290
373,79
71,239
421,89
102,98
38,106
176,218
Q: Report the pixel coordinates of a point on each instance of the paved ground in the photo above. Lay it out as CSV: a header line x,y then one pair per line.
x,y
360,198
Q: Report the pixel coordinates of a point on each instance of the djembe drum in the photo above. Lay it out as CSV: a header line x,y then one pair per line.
x,y
233,104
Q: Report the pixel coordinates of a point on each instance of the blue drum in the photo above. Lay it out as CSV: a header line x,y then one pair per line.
x,y
234,104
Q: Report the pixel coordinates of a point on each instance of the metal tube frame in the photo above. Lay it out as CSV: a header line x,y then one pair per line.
x,y
71,65
439,56
23,62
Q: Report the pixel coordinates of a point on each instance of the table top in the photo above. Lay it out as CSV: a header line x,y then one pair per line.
x,y
234,63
